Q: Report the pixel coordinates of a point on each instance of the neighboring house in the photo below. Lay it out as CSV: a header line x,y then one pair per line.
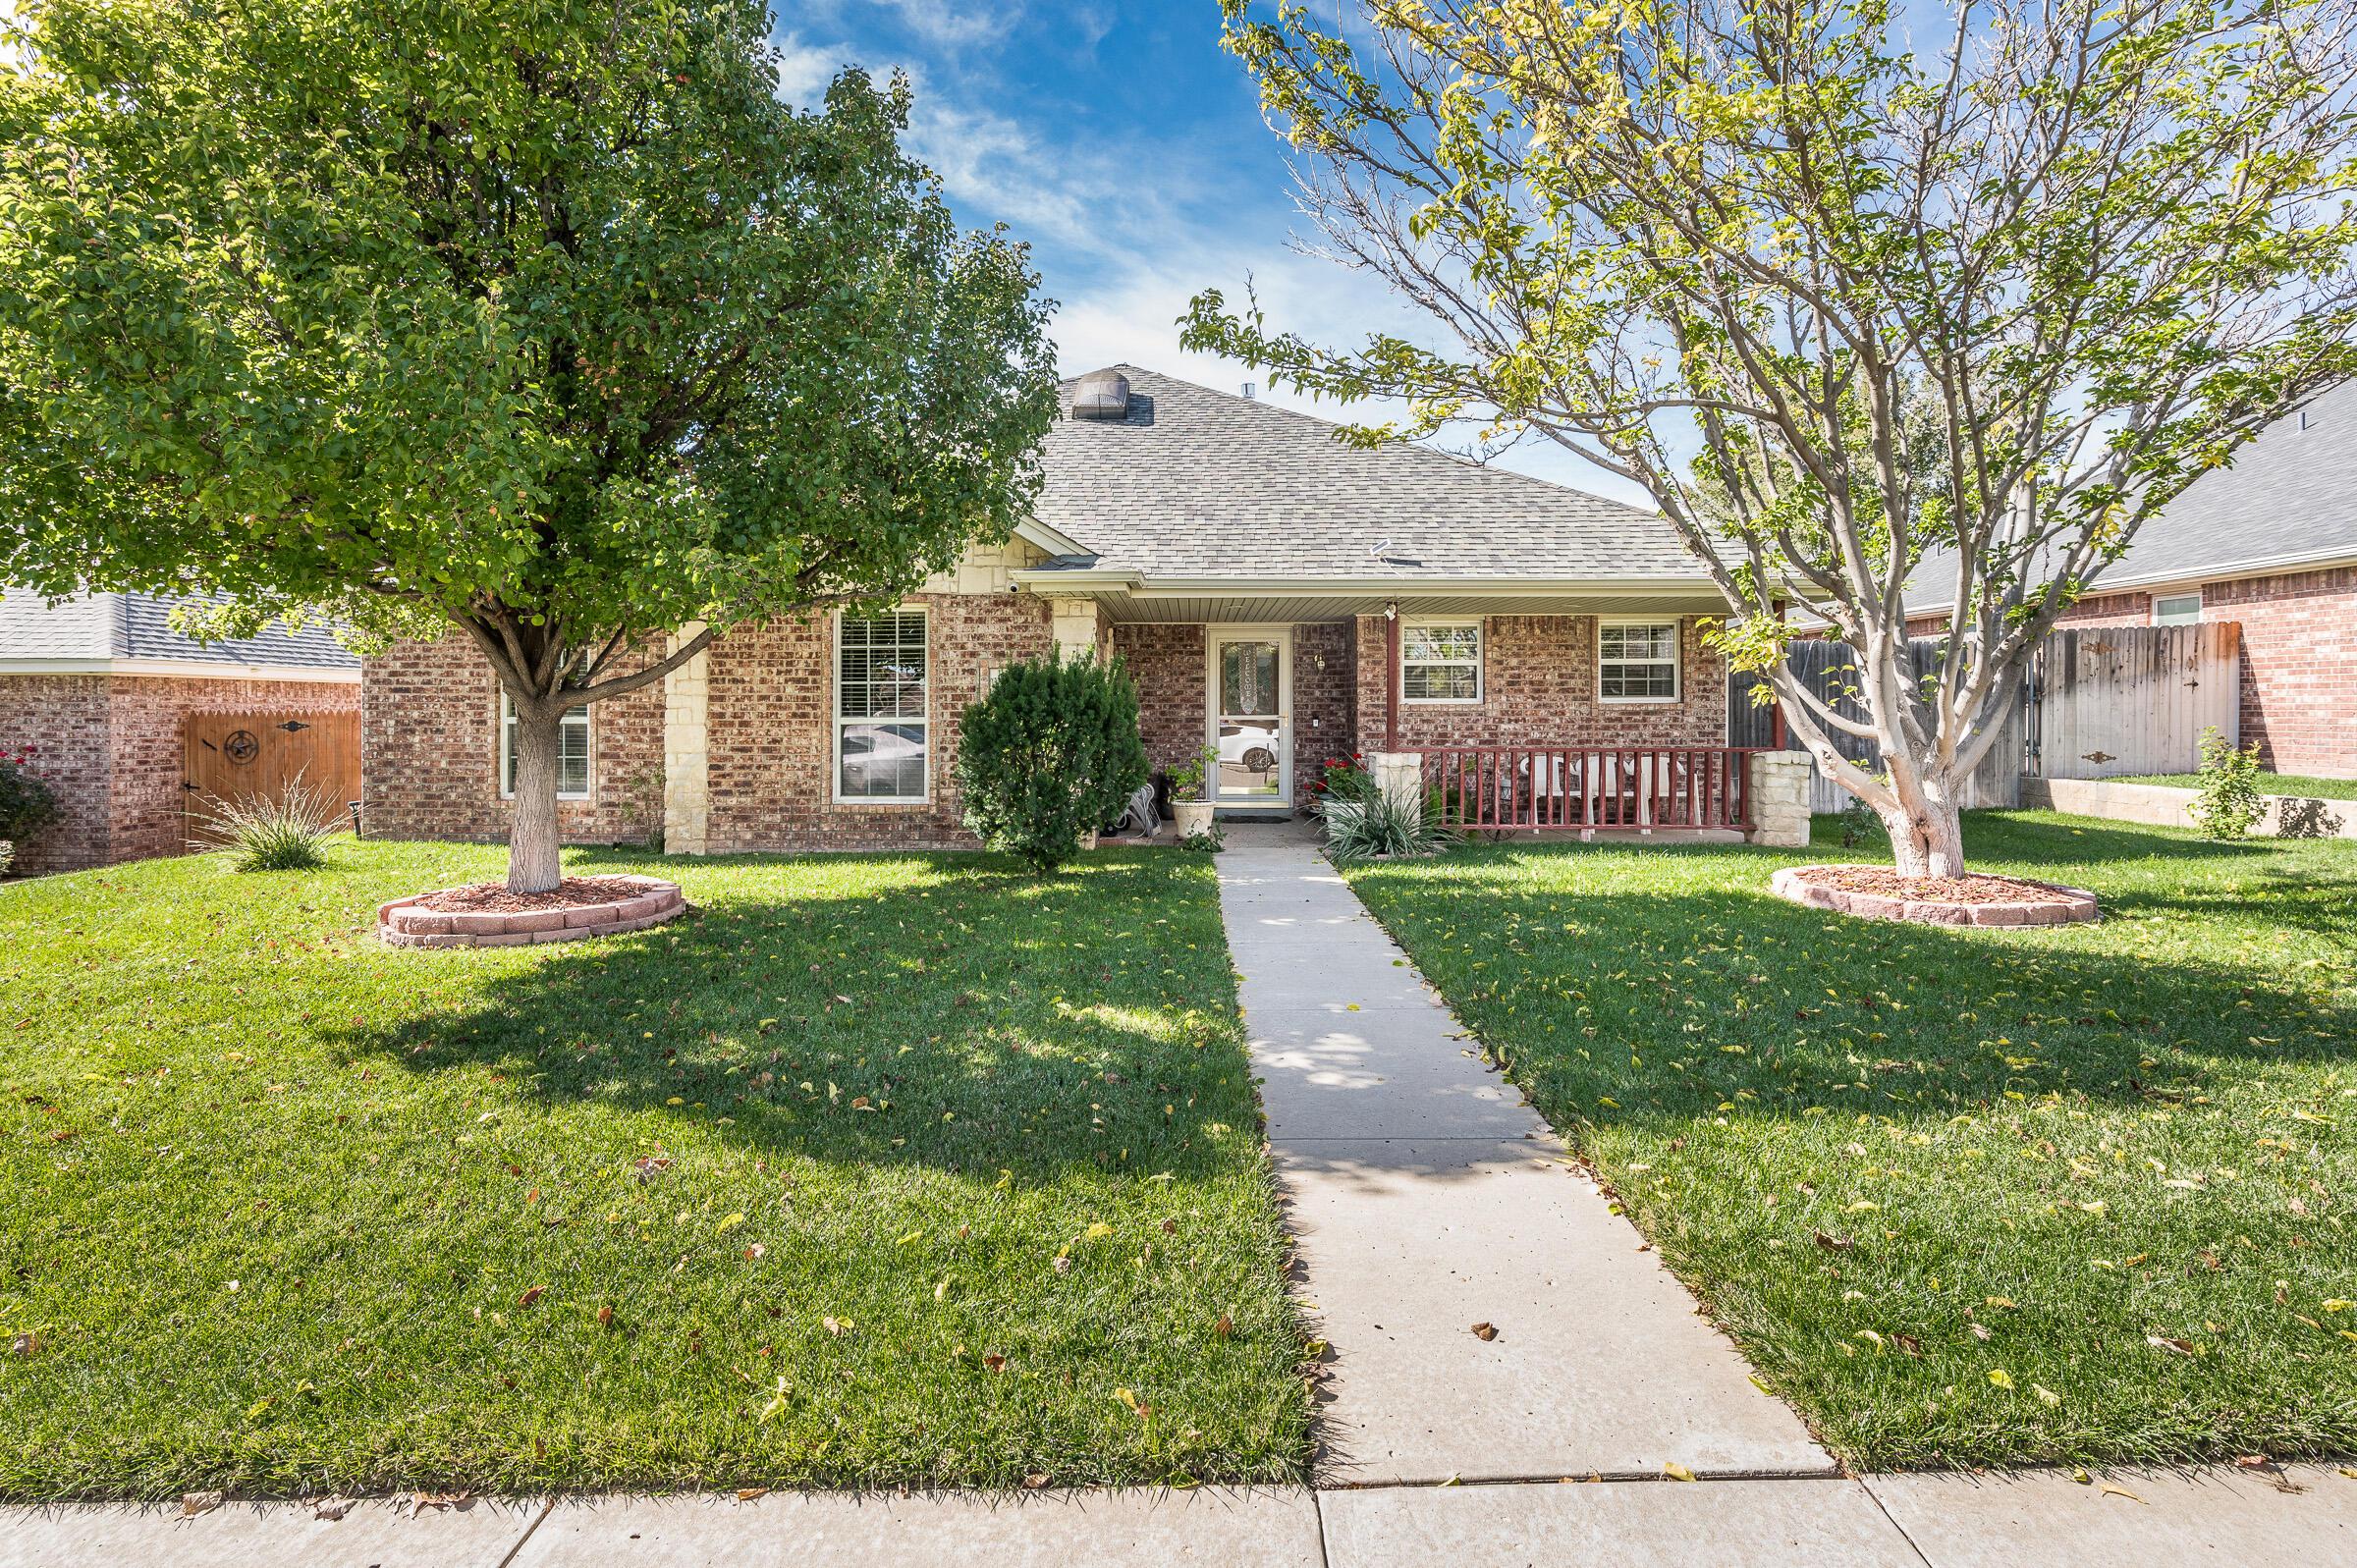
x,y
108,696
1277,595
2270,542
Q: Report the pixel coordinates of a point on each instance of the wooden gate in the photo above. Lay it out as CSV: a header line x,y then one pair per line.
x,y
256,756
2133,699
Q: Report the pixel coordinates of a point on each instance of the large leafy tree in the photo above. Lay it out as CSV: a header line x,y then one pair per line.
x,y
543,319
1871,322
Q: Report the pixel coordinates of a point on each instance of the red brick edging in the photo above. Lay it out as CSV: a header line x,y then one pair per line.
x,y
399,923
2069,906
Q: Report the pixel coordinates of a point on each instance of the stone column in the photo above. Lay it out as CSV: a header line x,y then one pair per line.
x,y
1074,623
1780,797
1399,775
687,752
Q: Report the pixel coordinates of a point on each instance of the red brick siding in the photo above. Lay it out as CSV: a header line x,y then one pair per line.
x,y
1166,663
2299,665
1539,689
429,751
771,731
111,747
64,719
1325,681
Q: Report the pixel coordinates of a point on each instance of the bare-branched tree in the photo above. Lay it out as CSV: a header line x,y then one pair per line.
x,y
1868,316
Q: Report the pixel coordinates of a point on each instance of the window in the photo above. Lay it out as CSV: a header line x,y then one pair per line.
x,y
881,725
1636,661
2178,610
573,751
1439,662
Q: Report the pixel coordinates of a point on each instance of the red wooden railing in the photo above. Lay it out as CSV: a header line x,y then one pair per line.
x,y
1658,788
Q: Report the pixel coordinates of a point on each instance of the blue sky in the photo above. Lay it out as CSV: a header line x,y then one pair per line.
x,y
1128,149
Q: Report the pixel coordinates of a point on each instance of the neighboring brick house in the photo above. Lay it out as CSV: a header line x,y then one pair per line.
x,y
101,690
2270,543
1277,595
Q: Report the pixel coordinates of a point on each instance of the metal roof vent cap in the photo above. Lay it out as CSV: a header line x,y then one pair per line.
x,y
1102,394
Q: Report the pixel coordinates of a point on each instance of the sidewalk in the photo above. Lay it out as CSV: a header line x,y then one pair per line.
x,y
1427,1199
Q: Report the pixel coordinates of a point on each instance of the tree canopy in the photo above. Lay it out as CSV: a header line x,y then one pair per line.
x,y
1874,320
542,318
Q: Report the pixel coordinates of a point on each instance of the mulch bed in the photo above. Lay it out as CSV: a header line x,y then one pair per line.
x,y
1974,889
491,898
1879,892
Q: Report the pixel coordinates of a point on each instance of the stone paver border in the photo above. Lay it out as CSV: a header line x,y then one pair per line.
x,y
404,923
1792,884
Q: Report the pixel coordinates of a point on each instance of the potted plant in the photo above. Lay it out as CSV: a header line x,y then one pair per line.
x,y
1189,806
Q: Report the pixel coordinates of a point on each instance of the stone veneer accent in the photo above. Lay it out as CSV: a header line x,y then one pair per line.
x,y
687,755
1778,786
2073,904
400,923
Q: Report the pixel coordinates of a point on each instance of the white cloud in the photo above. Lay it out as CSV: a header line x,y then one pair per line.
x,y
957,23
804,69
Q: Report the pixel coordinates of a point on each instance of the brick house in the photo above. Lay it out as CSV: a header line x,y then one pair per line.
x,y
2271,543
103,691
1277,596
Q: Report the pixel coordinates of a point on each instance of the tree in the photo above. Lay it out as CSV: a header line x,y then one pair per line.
x,y
540,318
1736,253
1048,755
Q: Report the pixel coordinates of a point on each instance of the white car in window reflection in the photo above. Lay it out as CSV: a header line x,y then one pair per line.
x,y
1252,747
881,759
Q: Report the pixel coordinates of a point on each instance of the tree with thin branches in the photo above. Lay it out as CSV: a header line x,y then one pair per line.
x,y
1871,318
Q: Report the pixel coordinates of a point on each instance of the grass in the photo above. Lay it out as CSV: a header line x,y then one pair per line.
x,y
1963,1197
2270,784
757,1198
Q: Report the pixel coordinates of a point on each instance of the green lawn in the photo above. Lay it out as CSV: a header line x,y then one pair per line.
x,y
1962,1196
2270,784
760,1197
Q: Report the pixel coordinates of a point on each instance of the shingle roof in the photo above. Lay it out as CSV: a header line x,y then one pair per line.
x,y
1199,483
106,626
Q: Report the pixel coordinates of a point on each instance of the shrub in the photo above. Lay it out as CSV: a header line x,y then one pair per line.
x,y
2229,803
1381,825
265,834
1049,753
1343,779
26,803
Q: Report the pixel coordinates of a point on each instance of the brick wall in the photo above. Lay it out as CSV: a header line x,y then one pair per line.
x,y
2299,665
111,747
1539,689
770,734
429,751
1325,681
1166,663
64,719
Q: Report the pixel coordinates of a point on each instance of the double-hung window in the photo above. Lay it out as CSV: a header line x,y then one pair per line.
x,y
573,751
882,730
1636,661
2178,610
1440,660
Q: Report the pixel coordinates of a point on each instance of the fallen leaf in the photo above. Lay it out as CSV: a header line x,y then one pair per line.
x,y
995,1363
751,1493
1485,1332
2165,1342
530,1297
1035,1479
2046,1396
1225,1326
331,1508
2000,1377
1675,1471
199,1503
2111,1490
605,1317
1835,1243
25,1345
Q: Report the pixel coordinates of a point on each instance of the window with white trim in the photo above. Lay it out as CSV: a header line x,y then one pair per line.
x,y
1440,660
882,728
2178,610
1636,661
573,750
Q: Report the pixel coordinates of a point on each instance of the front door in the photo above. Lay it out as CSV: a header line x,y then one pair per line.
x,y
1252,684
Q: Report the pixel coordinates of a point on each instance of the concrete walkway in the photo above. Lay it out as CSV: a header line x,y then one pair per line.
x,y
1428,1198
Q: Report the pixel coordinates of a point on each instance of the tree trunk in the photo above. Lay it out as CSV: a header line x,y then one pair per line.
x,y
535,858
1926,828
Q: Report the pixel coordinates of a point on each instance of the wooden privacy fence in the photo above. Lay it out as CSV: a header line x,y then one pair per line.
x,y
1652,788
2097,701
260,756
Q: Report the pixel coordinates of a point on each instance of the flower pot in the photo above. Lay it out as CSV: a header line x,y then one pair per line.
x,y
1192,816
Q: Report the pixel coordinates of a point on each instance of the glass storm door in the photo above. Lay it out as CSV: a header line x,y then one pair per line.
x,y
1250,684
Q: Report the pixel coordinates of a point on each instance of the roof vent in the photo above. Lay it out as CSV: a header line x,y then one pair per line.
x,y
1102,394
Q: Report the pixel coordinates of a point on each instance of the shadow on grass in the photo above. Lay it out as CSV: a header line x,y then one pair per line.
x,y
948,1011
